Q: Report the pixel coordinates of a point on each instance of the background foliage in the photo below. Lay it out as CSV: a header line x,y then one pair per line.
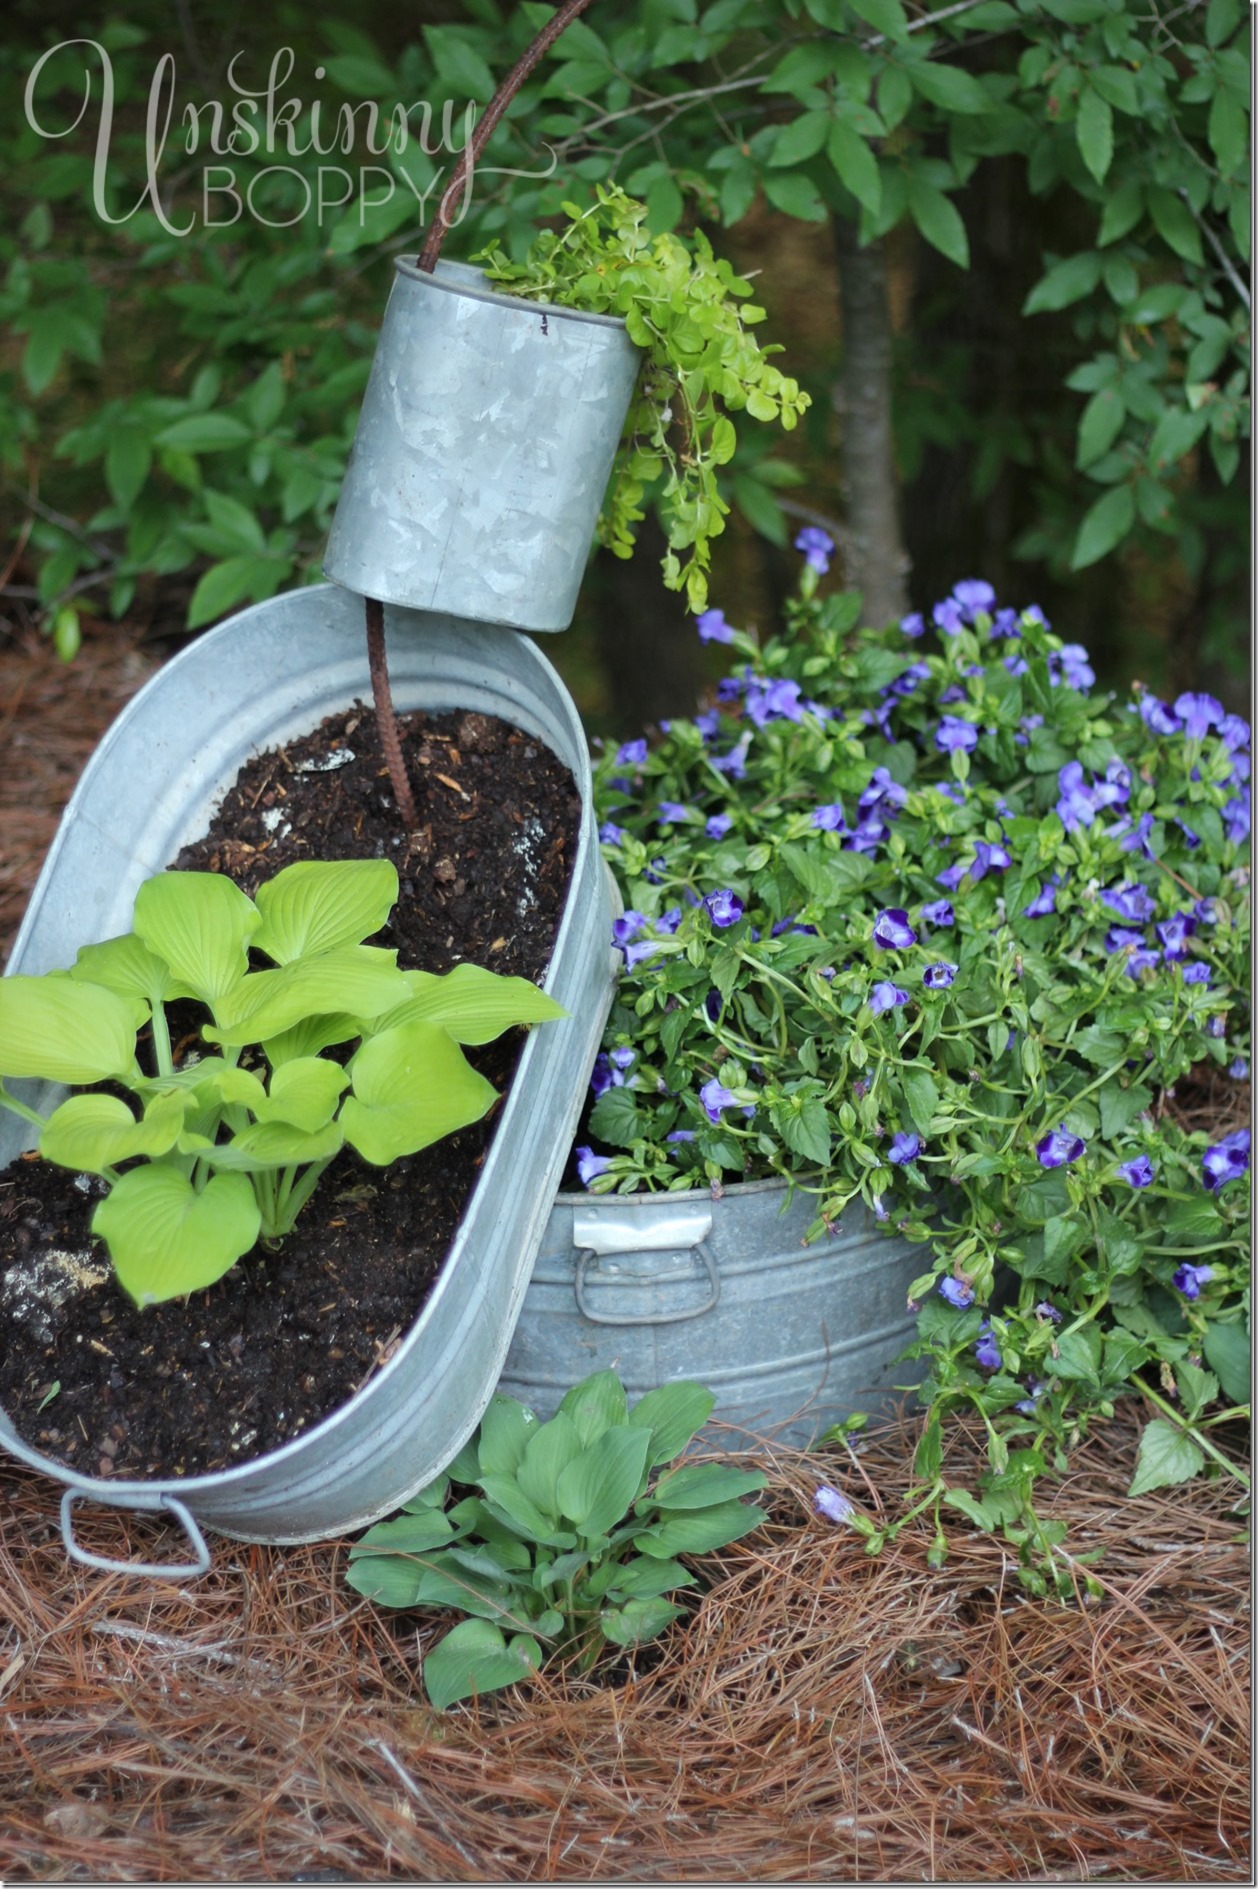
x,y
1058,189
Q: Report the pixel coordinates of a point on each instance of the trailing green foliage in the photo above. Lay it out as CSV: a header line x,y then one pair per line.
x,y
933,926
568,1533
228,1145
681,305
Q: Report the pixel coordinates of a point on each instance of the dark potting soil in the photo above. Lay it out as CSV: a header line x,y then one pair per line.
x,y
194,1386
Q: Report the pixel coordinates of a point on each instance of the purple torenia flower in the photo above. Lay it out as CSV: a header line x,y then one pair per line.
x,y
987,1351
816,546
718,825
939,976
724,907
885,997
905,1147
1138,1172
973,594
631,753
939,913
829,818
1130,901
713,628
1226,1161
774,701
1156,715
1239,1069
957,1292
953,733
1044,904
1199,714
1175,933
627,927
1197,973
715,1096
610,834
1046,1310
1059,1148
735,762
892,931
1190,1279
1075,806
883,792
673,813
708,723
948,617
1076,670
832,1505
912,624
680,1134
590,1165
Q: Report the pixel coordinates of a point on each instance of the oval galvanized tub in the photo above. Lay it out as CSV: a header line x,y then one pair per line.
x,y
664,1286
485,441
270,673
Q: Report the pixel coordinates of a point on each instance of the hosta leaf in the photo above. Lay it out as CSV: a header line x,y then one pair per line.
x,y
167,1240
270,1145
405,1534
546,1455
320,905
200,924
504,1433
637,1620
595,1404
127,966
704,1485
412,1085
475,1658
311,1035
643,1577
304,1092
93,1133
473,1005
66,1031
505,1495
699,1532
673,1413
356,978
596,1489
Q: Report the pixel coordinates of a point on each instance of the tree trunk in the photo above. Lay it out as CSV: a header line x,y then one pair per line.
x,y
876,562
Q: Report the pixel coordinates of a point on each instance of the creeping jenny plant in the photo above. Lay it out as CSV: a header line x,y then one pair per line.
x,y
690,313
917,916
564,1534
208,1155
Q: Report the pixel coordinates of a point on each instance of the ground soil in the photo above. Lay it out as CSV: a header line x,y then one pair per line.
x,y
289,1334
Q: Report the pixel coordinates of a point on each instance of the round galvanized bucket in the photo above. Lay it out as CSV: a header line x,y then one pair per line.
x,y
790,1337
486,438
145,793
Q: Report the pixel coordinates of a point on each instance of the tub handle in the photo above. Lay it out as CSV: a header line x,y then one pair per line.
x,y
149,1570
597,1235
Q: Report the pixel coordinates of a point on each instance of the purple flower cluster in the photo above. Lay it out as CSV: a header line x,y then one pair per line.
x,y
1080,801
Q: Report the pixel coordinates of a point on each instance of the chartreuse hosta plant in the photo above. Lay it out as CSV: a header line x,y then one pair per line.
x,y
565,1533
917,916
689,312
205,1156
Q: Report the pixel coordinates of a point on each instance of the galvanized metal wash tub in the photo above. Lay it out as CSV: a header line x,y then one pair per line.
x,y
665,1286
486,437
266,675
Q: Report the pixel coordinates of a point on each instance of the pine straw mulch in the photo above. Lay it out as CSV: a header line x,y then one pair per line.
x,y
822,1717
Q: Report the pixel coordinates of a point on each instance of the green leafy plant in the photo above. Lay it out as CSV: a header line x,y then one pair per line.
x,y
916,917
687,309
566,1533
228,1145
